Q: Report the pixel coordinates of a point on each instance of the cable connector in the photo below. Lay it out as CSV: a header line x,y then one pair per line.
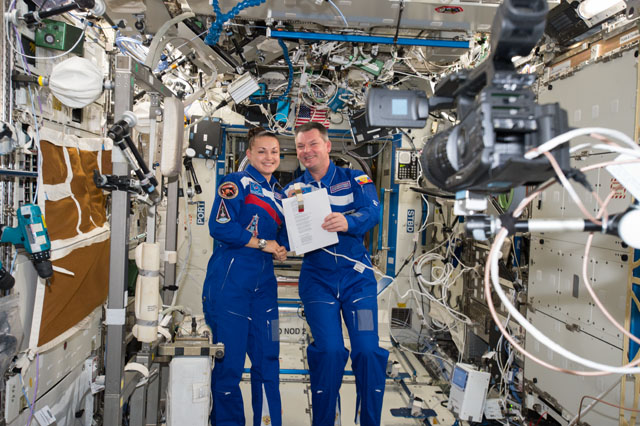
x,y
579,177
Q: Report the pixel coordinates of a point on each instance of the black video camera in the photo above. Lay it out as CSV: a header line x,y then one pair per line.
x,y
499,118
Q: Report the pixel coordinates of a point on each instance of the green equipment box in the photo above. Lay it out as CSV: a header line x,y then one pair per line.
x,y
59,35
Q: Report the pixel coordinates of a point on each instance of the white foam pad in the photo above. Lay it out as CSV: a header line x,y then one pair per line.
x,y
172,137
148,256
141,110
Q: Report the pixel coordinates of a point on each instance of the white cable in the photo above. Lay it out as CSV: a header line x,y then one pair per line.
x,y
400,345
133,47
504,368
534,332
444,279
375,271
567,136
346,24
140,368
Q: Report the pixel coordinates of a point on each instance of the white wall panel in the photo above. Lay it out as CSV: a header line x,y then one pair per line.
x,y
557,296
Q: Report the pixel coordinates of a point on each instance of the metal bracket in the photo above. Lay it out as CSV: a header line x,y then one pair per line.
x,y
633,9
192,346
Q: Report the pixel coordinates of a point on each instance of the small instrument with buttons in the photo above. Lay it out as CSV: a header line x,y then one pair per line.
x,y
406,166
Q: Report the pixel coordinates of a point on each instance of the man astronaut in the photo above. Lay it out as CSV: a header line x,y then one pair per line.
x,y
330,284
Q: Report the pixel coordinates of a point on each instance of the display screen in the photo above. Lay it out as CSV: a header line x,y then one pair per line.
x,y
459,377
399,107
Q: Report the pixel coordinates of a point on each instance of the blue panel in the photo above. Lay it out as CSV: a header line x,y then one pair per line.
x,y
393,197
297,371
289,305
425,215
341,133
352,38
381,198
336,102
405,412
459,377
220,163
634,326
282,110
517,244
262,90
18,173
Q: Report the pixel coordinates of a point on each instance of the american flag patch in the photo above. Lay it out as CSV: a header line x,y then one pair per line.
x,y
364,179
340,186
307,114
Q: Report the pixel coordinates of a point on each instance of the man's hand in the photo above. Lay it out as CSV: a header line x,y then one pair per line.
x,y
272,247
335,222
280,254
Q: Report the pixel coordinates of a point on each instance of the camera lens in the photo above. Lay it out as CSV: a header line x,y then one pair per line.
x,y
436,164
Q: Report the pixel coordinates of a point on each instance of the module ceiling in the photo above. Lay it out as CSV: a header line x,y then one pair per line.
x,y
430,15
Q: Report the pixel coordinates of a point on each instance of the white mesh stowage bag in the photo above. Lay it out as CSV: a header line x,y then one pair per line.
x,y
76,82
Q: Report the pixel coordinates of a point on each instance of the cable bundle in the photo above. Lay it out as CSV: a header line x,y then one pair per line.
x,y
491,277
214,31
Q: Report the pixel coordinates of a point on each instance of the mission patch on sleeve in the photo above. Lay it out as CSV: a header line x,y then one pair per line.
x,y
228,190
223,213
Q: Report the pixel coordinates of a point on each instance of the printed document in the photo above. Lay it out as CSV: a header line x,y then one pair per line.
x,y
305,228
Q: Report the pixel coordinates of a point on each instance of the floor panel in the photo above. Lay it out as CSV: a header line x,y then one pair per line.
x,y
296,405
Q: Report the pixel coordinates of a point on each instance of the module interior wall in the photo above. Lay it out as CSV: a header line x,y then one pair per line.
x,y
592,97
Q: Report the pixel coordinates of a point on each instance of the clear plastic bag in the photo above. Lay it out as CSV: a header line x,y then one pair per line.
x,y
11,332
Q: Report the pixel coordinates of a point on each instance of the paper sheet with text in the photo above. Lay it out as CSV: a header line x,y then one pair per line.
x,y
305,228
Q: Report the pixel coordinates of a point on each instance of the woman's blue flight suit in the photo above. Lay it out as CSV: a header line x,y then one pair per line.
x,y
239,297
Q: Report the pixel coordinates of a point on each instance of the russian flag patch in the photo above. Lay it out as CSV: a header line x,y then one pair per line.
x,y
364,179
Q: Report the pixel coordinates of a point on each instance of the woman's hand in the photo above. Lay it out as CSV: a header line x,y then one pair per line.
x,y
279,252
272,247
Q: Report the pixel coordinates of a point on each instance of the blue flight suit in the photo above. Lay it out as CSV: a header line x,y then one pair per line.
x,y
329,285
239,297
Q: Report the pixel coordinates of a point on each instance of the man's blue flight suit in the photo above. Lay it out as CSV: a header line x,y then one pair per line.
x,y
329,285
239,297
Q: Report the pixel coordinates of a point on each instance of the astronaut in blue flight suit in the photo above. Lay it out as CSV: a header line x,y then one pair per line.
x,y
239,296
330,284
